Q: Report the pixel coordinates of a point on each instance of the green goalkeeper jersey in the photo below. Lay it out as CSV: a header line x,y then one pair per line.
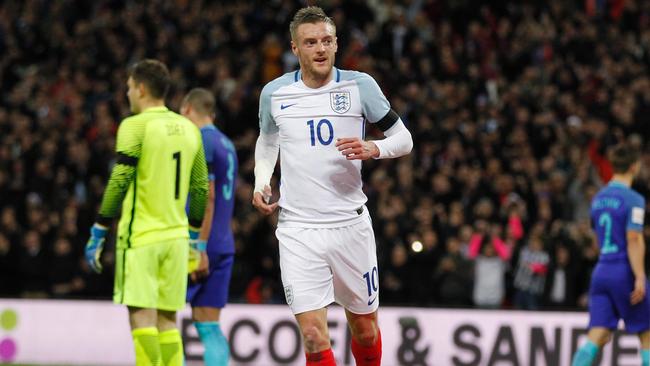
x,y
160,161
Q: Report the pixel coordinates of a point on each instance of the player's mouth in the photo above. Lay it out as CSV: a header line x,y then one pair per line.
x,y
320,60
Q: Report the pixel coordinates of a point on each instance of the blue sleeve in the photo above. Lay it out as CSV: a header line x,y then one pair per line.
x,y
374,104
636,215
267,123
209,148
226,168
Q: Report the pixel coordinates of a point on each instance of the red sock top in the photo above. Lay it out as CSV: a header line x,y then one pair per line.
x,y
322,358
367,356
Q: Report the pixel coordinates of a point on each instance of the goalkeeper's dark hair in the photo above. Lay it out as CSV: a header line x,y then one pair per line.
x,y
154,75
201,100
310,14
622,157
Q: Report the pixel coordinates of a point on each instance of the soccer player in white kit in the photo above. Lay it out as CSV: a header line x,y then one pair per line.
x,y
316,117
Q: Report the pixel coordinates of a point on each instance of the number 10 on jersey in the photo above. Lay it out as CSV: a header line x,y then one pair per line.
x,y
317,132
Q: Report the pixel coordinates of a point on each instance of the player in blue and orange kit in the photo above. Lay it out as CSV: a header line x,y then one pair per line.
x,y
618,283
208,288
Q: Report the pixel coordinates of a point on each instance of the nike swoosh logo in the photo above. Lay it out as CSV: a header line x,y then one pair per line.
x,y
282,106
371,301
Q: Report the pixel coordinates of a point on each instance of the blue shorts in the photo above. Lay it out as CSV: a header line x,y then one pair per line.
x,y
212,291
609,299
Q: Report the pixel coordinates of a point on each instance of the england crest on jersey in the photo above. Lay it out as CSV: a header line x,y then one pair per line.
x,y
340,101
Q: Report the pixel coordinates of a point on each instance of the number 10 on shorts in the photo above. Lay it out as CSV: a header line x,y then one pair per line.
x,y
371,283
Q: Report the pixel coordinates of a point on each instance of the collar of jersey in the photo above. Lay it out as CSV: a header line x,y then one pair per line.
x,y
336,77
615,183
161,108
209,126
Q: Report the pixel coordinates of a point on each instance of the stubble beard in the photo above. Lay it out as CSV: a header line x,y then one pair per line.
x,y
320,73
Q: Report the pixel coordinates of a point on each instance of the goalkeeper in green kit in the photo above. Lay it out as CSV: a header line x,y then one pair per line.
x,y
160,160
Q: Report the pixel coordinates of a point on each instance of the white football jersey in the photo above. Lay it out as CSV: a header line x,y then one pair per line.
x,y
319,187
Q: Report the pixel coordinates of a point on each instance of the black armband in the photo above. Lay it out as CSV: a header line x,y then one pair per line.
x,y
124,159
195,223
388,121
104,221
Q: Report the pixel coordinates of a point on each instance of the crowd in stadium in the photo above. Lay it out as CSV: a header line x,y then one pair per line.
x,y
512,108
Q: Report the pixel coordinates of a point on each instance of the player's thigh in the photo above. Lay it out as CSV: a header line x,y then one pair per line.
x,y
353,258
172,277
603,311
136,277
142,318
306,275
212,291
636,317
166,320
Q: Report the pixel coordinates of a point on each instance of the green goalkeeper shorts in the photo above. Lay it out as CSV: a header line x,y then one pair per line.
x,y
152,276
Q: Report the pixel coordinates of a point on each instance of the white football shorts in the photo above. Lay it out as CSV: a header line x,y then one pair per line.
x,y
325,265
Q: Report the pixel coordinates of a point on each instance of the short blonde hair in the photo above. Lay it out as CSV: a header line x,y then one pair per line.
x,y
201,100
310,14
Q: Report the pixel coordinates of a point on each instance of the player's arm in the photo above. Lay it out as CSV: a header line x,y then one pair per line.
x,y
636,254
128,148
636,250
206,226
266,156
198,190
398,140
376,109
209,154
197,195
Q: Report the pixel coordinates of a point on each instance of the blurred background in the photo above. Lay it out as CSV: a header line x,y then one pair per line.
x,y
512,106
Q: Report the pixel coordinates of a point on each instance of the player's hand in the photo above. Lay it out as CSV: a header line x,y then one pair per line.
x,y
261,201
354,148
95,246
639,291
204,268
197,247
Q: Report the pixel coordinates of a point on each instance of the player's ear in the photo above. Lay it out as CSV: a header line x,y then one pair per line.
x,y
336,44
142,90
294,48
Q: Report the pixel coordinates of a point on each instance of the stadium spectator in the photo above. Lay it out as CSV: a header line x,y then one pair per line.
x,y
560,292
395,282
8,280
453,278
31,265
63,271
491,256
531,273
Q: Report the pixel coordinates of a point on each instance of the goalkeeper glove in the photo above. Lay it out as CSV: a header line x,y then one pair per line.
x,y
197,246
95,246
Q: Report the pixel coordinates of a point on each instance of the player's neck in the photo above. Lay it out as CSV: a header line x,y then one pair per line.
x,y
200,123
623,178
151,103
315,82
